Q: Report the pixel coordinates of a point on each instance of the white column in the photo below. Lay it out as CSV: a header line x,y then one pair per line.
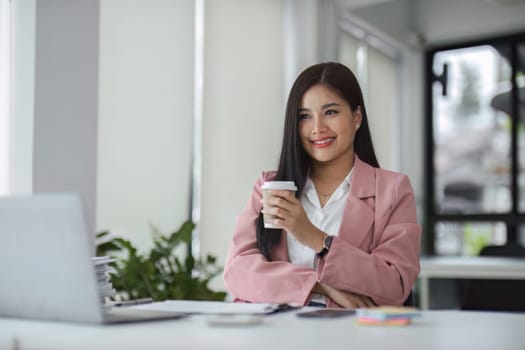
x,y
5,125
300,38
22,95
66,98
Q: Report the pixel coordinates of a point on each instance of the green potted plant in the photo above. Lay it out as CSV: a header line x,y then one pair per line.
x,y
159,274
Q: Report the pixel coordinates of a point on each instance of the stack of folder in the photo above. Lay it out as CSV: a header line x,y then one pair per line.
x,y
102,268
387,316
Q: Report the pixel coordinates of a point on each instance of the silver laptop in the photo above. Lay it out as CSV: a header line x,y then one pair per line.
x,y
46,270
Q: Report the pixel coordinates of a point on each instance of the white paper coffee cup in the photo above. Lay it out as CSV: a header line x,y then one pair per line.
x,y
266,188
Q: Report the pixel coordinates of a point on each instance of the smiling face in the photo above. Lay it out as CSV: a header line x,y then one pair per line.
x,y
327,125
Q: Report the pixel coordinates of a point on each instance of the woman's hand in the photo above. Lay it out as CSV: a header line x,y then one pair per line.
x,y
347,300
290,215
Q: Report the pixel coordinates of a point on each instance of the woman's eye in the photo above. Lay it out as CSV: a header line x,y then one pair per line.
x,y
303,116
331,112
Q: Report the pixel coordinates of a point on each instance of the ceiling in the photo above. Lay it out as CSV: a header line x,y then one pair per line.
x,y
439,21
355,4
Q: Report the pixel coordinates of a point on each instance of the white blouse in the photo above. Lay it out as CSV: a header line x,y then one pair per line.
x,y
327,219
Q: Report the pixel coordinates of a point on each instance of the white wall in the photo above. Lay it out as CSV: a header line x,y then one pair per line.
x,y
382,107
145,116
243,110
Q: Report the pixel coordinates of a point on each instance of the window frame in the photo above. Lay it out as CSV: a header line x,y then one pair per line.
x,y
513,218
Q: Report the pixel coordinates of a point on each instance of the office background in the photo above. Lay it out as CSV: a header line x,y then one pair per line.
x,y
104,96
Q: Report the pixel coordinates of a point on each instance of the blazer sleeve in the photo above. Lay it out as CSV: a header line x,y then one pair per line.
x,y
248,276
388,271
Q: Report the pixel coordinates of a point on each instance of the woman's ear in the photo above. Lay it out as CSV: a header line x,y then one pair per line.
x,y
358,117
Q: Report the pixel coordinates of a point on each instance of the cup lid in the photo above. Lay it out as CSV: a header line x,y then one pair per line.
x,y
279,185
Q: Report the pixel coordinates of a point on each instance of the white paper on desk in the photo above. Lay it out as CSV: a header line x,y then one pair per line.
x,y
209,307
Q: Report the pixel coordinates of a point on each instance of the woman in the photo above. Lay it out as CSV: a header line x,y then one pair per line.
x,y
349,235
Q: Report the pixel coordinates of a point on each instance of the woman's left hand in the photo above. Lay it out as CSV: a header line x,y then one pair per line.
x,y
290,215
346,299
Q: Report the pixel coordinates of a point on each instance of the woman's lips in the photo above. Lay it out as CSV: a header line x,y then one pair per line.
x,y
324,142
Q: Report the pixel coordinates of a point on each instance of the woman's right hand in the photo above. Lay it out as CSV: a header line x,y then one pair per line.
x,y
344,299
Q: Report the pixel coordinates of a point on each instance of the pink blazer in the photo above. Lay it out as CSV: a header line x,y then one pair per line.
x,y
376,252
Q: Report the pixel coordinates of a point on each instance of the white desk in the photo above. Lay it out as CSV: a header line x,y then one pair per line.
x,y
436,330
468,268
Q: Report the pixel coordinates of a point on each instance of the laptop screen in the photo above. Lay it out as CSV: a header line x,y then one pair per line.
x,y
45,257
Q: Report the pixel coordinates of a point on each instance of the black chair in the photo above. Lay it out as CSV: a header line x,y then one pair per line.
x,y
509,250
501,295
410,300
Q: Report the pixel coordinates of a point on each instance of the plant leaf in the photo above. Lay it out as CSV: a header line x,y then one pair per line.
x,y
160,274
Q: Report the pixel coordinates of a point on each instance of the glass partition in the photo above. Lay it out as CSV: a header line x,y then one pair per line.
x,y
472,131
475,162
467,238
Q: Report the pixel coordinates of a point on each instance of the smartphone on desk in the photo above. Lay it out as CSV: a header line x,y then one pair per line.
x,y
326,313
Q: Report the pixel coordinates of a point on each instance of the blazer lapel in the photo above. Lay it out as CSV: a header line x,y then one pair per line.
x,y
358,217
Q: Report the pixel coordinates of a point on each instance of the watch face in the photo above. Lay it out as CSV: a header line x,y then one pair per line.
x,y
328,241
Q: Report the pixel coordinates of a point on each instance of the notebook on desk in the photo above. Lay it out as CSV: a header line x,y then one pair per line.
x,y
46,270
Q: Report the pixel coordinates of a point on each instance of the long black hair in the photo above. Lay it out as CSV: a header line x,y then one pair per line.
x,y
294,162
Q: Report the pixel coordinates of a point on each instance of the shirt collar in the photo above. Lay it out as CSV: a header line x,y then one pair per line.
x,y
340,191
343,189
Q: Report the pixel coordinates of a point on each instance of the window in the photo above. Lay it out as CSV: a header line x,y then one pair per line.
x,y
376,61
475,161
4,97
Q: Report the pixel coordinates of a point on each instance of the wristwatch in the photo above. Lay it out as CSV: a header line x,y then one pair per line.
x,y
327,242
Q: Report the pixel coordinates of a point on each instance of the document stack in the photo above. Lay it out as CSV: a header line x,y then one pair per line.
x,y
102,268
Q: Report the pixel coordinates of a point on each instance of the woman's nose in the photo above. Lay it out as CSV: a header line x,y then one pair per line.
x,y
318,126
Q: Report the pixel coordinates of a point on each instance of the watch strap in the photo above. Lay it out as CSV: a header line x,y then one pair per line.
x,y
327,243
